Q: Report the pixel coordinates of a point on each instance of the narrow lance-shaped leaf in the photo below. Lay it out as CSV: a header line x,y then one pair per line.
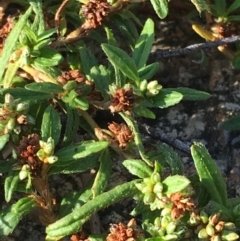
x,y
138,168
144,44
11,41
160,7
10,184
209,173
103,174
232,124
45,87
121,61
172,159
73,222
3,140
191,94
175,183
166,98
73,153
10,216
148,71
200,5
51,124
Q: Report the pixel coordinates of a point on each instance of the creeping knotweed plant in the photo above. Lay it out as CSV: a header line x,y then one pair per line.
x,y
54,83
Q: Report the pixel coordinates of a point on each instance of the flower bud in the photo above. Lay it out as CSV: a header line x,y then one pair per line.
x,y
202,234
158,187
165,221
22,107
165,211
154,85
147,189
219,226
229,235
204,217
143,85
216,238
50,159
148,198
24,172
229,226
155,177
152,92
193,221
210,230
171,227
8,99
49,147
213,219
157,222
170,237
11,124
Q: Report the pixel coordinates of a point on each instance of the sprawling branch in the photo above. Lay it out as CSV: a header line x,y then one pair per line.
x,y
160,53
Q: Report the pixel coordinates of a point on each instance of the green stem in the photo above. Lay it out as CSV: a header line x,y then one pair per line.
x,y
137,137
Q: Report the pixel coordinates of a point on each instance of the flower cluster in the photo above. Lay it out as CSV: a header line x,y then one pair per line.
x,y
95,11
122,133
122,232
122,100
13,116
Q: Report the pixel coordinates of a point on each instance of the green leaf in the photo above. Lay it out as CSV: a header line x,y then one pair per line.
x,y
121,61
10,184
171,157
88,60
220,6
45,87
191,94
10,74
232,124
46,34
39,22
102,178
148,71
10,216
144,112
100,77
51,125
82,165
138,168
233,18
48,57
71,126
27,95
160,7
144,44
166,98
201,5
127,28
176,183
110,37
209,174
79,102
74,221
73,153
3,140
11,41
235,5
